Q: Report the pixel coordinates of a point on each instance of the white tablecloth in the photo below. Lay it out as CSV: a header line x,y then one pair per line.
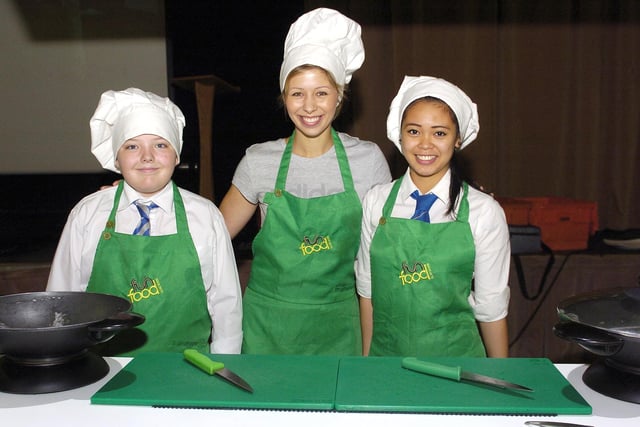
x,y
73,408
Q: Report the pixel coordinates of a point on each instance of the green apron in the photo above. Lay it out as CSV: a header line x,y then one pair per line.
x,y
301,297
421,277
161,277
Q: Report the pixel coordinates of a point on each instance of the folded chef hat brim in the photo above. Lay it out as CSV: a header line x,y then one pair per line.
x,y
314,55
122,115
413,88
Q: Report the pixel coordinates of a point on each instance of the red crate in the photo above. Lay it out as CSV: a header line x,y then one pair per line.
x,y
516,210
565,224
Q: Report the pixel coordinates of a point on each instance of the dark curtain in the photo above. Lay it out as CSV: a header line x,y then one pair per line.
x,y
556,83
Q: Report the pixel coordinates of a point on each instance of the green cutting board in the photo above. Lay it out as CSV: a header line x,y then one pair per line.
x,y
348,384
380,384
279,382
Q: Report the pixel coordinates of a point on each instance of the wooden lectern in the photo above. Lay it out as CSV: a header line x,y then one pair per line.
x,y
205,87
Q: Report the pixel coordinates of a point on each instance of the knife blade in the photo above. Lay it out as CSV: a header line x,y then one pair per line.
x,y
212,367
456,373
554,424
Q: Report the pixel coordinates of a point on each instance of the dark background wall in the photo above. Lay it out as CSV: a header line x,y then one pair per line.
x,y
555,81
238,41
241,43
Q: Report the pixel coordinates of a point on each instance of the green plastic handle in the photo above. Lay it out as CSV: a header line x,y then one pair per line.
x,y
202,361
451,372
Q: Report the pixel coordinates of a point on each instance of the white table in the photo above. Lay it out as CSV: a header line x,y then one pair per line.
x,y
73,408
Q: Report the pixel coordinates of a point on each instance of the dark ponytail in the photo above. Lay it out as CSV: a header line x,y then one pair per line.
x,y
456,182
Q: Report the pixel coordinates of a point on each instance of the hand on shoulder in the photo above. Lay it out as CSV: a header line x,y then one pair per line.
x,y
114,184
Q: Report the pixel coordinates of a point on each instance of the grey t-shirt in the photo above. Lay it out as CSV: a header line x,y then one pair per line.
x,y
309,177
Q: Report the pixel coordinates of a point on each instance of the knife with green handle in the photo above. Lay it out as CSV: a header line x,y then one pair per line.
x,y
457,374
212,367
554,424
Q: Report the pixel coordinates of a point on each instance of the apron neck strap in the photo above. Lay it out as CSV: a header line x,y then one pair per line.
x,y
343,162
391,200
182,225
341,155
463,211
111,223
181,216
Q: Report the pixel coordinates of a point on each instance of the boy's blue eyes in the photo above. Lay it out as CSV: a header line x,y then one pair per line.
x,y
301,94
133,147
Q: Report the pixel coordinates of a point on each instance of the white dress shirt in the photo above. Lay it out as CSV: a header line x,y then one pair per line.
x,y
490,295
73,261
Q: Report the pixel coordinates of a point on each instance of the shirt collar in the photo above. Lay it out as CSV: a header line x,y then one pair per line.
x,y
441,189
164,198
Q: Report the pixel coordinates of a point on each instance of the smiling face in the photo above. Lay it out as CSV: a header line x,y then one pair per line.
x,y
428,137
147,163
311,98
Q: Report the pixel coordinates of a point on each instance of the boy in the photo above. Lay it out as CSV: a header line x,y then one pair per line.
x,y
161,247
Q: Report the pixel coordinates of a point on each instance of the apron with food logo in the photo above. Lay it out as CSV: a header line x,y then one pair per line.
x,y
161,277
421,277
301,297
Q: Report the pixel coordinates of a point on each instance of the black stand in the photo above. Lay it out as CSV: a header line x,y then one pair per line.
x,y
613,382
24,378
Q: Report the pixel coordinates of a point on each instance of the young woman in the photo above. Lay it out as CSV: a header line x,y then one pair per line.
x,y
301,296
429,276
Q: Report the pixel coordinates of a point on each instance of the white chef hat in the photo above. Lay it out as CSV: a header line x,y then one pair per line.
x,y
122,115
327,39
413,88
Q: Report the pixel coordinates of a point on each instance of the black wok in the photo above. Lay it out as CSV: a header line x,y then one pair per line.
x,y
606,323
42,327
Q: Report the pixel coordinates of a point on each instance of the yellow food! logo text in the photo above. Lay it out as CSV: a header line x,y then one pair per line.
x,y
319,244
420,271
149,288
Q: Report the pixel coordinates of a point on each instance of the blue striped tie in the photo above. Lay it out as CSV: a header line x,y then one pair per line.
x,y
423,204
143,227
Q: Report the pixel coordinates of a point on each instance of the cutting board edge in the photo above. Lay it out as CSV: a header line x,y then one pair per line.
x,y
449,410
305,406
